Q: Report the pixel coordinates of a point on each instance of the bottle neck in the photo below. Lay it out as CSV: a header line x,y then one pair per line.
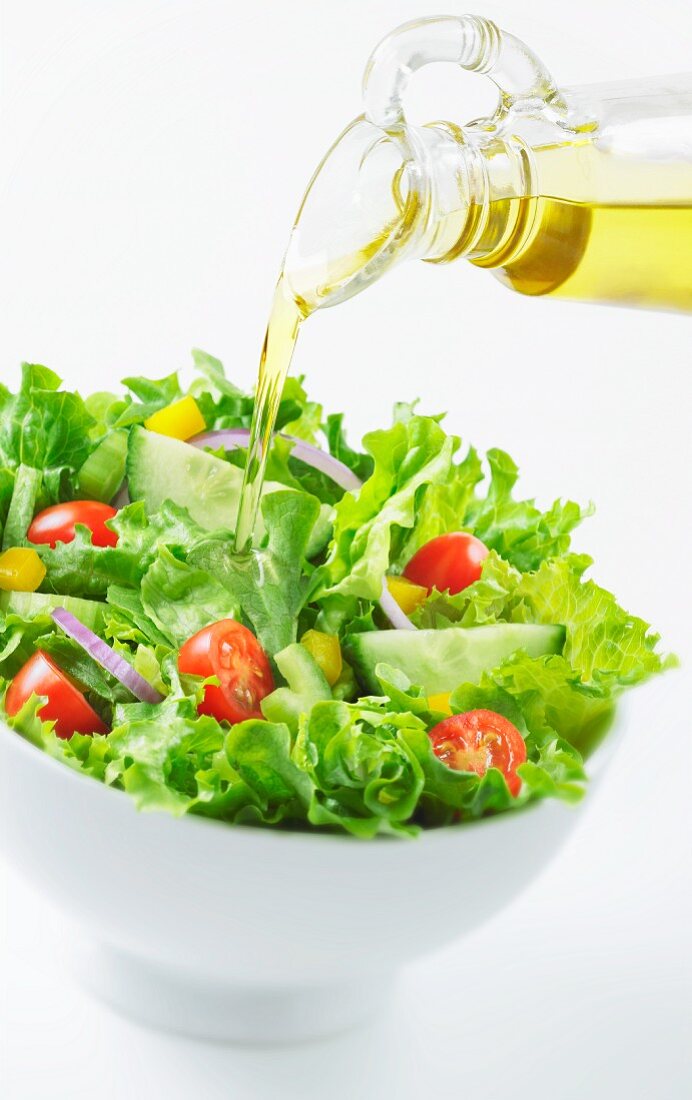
x,y
475,191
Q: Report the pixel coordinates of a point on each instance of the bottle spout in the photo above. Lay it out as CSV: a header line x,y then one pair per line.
x,y
359,215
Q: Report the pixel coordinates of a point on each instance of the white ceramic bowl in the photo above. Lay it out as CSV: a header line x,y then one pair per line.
x,y
249,934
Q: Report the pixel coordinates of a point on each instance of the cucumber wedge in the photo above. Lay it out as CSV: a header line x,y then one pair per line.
x,y
306,686
160,468
104,470
440,660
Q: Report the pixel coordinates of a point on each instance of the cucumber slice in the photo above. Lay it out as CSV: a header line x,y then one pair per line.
x,y
440,660
160,468
307,685
104,470
28,604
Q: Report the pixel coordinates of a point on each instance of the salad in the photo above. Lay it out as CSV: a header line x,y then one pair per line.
x,y
409,645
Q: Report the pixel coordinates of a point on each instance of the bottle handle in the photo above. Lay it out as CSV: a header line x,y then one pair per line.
x,y
470,41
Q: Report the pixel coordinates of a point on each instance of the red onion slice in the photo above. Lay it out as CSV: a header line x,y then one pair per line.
x,y
105,656
229,438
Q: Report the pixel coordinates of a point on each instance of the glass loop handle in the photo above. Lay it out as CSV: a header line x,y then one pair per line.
x,y
474,43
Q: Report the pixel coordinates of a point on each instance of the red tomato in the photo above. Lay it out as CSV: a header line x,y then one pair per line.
x,y
66,705
231,652
448,563
57,523
478,740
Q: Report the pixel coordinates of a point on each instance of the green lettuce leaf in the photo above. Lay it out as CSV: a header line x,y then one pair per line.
x,y
41,425
366,777
79,567
605,644
180,599
518,530
125,620
25,495
361,464
270,585
155,756
406,458
260,753
18,637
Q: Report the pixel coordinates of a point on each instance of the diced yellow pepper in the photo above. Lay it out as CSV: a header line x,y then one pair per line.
x,y
181,420
326,650
408,595
21,570
440,702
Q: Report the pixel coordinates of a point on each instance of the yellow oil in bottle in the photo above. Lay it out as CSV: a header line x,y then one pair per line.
x,y
604,229
631,255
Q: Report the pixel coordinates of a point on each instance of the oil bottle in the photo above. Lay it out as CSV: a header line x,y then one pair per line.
x,y
582,193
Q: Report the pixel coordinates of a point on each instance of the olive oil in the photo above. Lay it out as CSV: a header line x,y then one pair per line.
x,y
630,255
300,290
277,352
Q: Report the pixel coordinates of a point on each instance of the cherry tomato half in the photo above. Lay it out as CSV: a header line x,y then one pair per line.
x,y
65,703
448,563
231,652
57,523
478,740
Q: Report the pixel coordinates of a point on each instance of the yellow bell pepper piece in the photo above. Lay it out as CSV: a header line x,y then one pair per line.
x,y
326,650
21,570
181,420
408,595
440,702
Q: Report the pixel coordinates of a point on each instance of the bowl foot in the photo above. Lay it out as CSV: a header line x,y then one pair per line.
x,y
177,1001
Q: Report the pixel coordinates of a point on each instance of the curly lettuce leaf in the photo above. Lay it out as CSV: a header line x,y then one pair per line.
x,y
406,458
518,530
362,464
18,637
181,599
80,568
126,621
156,755
271,584
42,425
366,778
605,644
260,754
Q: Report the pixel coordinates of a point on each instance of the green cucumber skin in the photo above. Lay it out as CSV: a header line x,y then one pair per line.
x,y
160,468
440,660
307,685
103,473
301,672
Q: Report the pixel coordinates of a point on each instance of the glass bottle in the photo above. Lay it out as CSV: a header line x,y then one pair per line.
x,y
582,193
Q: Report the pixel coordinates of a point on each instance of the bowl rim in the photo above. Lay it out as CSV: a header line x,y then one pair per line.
x,y
600,758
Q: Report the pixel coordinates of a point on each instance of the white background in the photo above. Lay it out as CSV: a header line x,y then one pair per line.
x,y
152,157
